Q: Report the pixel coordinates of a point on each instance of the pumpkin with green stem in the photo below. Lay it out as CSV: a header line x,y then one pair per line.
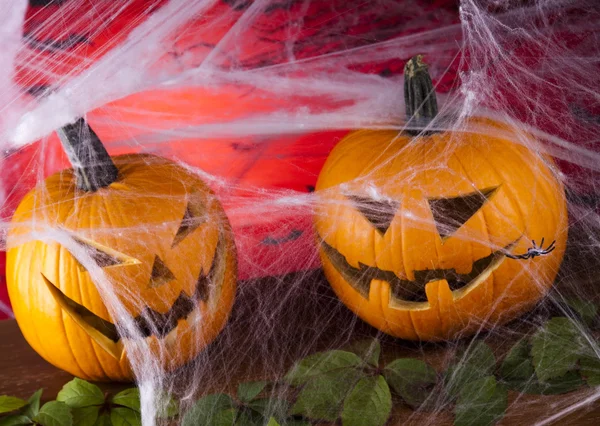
x,y
431,235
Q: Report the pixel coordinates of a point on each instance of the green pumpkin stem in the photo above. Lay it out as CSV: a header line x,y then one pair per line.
x,y
419,94
93,166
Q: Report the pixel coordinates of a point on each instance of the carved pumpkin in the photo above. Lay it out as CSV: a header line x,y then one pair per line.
x,y
153,229
429,236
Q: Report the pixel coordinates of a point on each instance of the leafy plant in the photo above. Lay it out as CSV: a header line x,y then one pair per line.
x,y
248,408
412,379
555,359
352,385
79,403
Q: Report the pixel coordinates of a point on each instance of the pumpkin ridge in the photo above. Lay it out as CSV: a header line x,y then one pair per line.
x,y
403,227
89,300
544,183
434,306
64,326
86,298
485,222
69,343
509,193
29,268
487,230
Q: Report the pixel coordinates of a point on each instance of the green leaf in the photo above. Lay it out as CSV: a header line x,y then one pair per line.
x,y
369,402
246,392
15,420
123,416
268,407
322,397
103,420
480,403
10,403
590,369
79,393
129,398
85,416
206,408
172,409
556,347
296,422
564,384
168,406
585,309
472,364
368,350
33,404
320,363
517,364
518,371
480,358
273,422
412,379
54,413
244,419
227,418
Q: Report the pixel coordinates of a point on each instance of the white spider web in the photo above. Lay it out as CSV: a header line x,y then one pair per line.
x,y
274,85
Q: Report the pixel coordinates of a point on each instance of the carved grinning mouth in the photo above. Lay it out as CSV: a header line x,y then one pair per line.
x,y
149,322
409,292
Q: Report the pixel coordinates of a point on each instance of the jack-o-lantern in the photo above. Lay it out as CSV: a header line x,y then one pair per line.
x,y
439,234
142,223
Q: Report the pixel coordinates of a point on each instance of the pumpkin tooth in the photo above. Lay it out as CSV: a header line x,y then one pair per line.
x,y
493,262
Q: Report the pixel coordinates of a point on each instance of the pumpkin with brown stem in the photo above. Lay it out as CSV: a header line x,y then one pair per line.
x,y
434,235
151,228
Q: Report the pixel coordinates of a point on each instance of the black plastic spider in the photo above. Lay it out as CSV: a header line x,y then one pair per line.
x,y
533,251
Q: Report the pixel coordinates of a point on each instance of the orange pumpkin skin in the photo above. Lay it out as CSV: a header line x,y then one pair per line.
x,y
525,202
156,209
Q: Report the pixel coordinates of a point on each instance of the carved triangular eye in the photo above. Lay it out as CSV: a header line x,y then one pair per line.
x,y
161,274
450,214
194,216
379,212
103,256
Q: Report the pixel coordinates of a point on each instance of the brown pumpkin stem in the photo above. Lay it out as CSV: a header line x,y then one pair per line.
x,y
419,94
93,166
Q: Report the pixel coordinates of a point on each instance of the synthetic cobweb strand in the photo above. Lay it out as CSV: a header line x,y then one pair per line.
x,y
534,65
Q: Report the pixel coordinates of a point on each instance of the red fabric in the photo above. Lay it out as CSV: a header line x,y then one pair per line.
x,y
281,241
67,39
